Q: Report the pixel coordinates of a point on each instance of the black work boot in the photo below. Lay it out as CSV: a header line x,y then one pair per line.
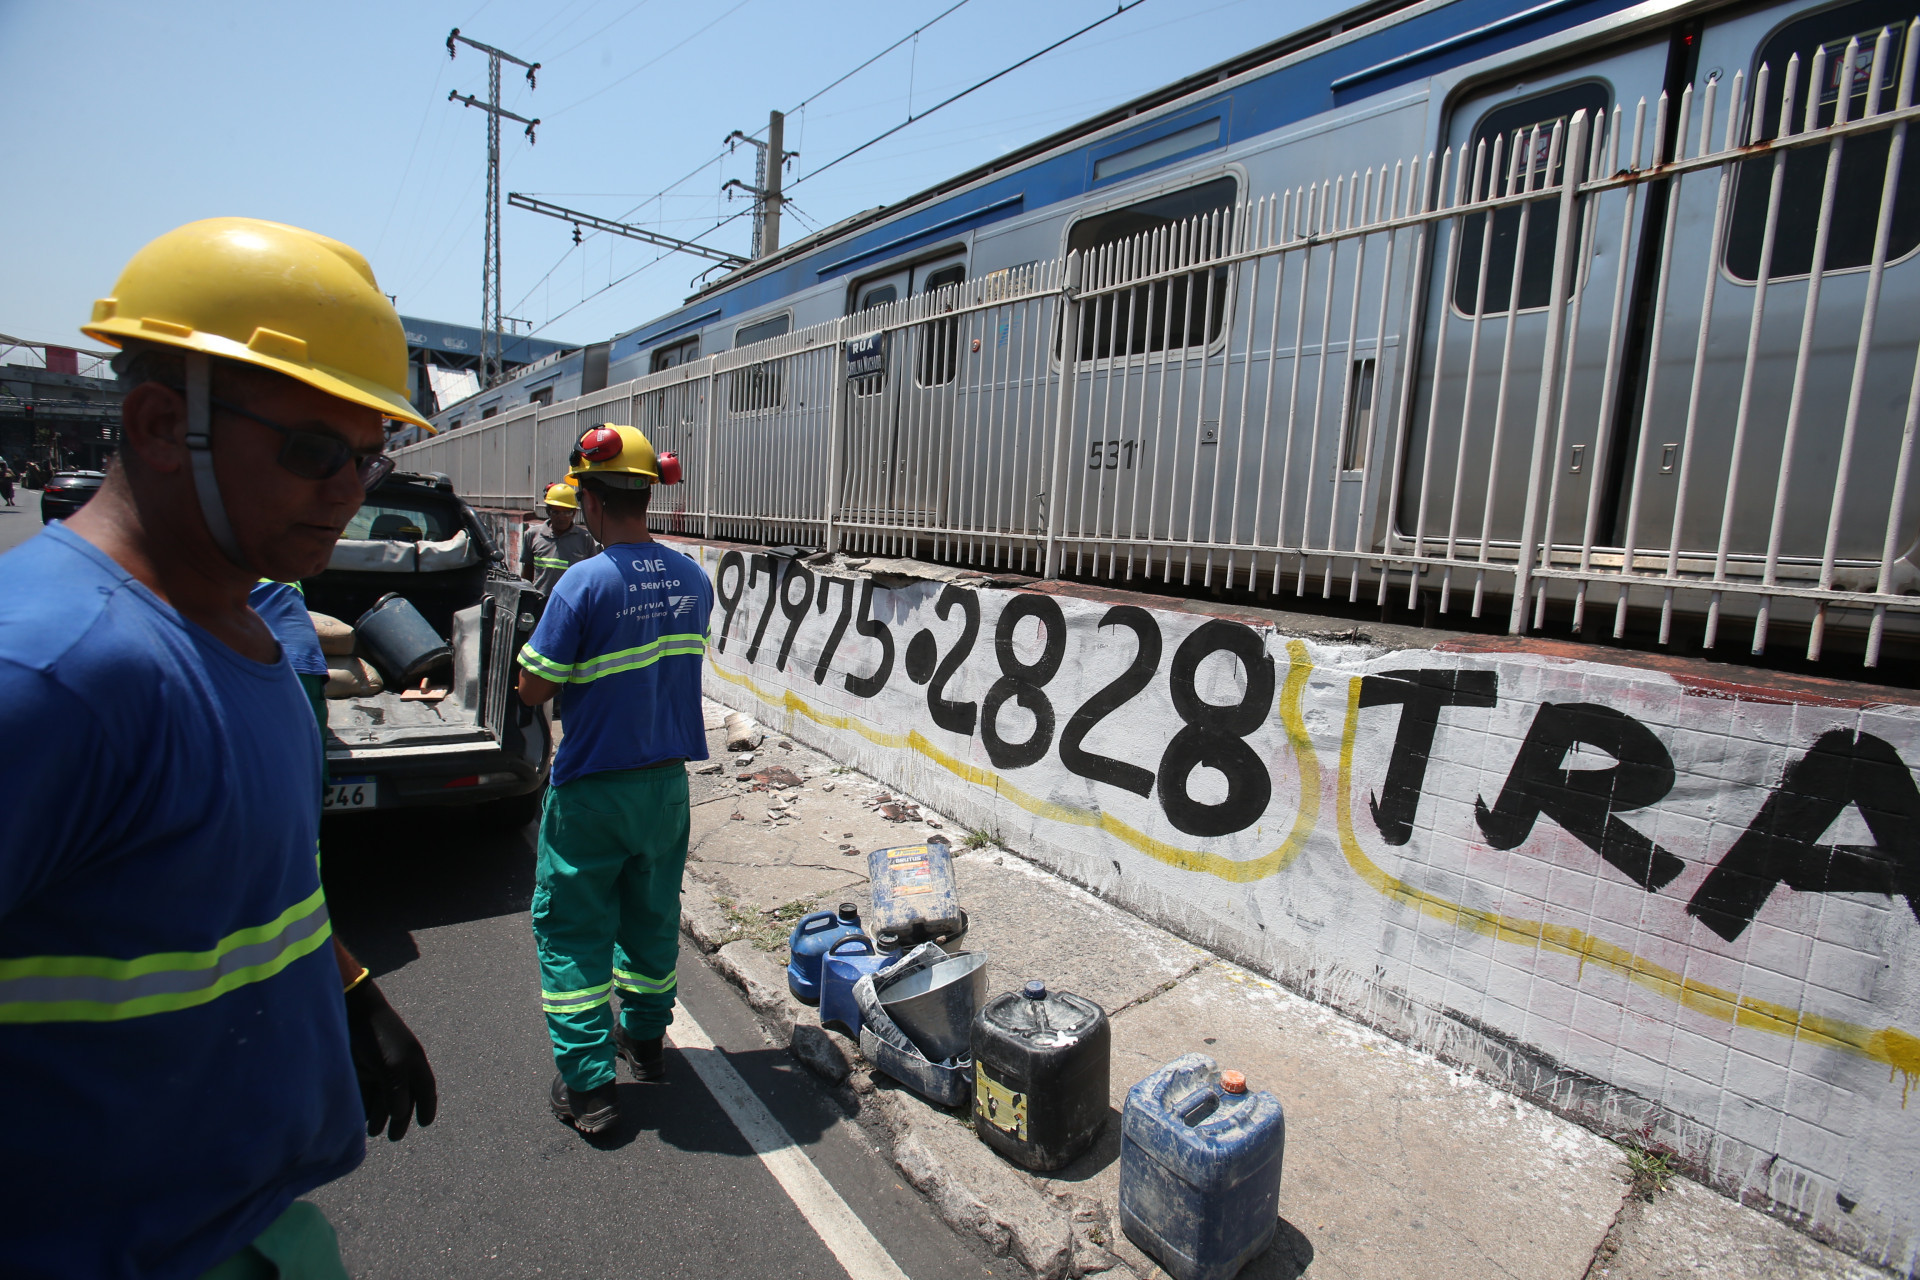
x,y
589,1111
646,1059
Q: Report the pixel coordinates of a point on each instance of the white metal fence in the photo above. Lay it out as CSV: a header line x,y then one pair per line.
x,y
1559,365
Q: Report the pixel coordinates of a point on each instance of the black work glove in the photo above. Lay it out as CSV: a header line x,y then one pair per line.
x,y
395,1079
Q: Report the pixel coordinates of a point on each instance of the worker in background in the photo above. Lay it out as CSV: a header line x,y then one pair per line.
x,y
171,995
283,607
625,633
548,548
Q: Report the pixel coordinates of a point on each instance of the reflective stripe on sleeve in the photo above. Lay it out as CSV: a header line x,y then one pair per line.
x,y
100,989
543,666
643,985
574,1001
609,664
551,562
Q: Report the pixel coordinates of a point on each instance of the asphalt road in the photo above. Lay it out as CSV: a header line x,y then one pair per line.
x,y
437,908
21,522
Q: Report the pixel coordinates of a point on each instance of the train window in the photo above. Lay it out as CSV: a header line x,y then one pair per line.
x,y
454,425
490,410
758,386
542,396
676,353
1515,123
940,339
878,297
1863,162
760,330
1359,424
1185,311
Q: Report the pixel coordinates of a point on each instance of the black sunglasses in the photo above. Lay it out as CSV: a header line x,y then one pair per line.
x,y
312,455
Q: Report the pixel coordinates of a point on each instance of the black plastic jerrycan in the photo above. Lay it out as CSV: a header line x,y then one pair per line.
x,y
1041,1063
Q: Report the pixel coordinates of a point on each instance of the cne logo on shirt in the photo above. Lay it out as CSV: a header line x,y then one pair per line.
x,y
681,604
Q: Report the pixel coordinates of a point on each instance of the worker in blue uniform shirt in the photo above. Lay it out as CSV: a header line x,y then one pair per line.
x,y
625,634
173,1031
283,607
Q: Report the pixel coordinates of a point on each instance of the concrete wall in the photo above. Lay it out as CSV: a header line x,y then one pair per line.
x,y
1677,907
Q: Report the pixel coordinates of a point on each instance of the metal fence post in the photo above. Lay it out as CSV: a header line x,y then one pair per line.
x,y
1573,164
709,452
836,433
1063,411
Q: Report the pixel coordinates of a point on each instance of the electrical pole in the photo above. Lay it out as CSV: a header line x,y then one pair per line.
x,y
767,200
490,304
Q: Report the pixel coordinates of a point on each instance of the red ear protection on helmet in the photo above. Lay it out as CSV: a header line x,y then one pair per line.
x,y
669,468
602,444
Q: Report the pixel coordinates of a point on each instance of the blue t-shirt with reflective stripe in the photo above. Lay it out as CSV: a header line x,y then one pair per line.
x,y
283,607
172,1034
625,632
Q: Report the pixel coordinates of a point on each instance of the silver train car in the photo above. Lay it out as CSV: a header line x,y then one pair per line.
x,y
1587,316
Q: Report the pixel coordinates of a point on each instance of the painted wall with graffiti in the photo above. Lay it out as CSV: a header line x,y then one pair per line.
x,y
1680,909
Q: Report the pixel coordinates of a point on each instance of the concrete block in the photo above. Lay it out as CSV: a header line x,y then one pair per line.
x,y
1687,1232
821,1052
977,1193
764,985
702,920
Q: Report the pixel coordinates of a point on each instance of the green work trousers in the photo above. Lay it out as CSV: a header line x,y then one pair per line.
x,y
297,1245
606,911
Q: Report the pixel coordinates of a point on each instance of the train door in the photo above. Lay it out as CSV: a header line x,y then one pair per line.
x,y
898,408
872,465
1477,386
1747,491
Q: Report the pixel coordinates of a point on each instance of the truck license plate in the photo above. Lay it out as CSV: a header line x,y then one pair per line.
x,y
351,793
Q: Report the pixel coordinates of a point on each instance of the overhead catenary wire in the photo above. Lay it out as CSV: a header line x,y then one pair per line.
x,y
657,58
611,284
981,84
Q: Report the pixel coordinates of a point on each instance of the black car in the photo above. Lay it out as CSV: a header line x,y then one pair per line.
x,y
67,491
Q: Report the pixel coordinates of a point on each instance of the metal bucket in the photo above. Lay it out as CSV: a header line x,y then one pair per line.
x,y
934,1001
401,643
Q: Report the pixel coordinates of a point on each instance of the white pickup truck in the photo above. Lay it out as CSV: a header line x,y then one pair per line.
x,y
471,741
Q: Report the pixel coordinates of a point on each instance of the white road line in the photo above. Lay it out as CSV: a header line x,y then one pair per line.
x,y
837,1226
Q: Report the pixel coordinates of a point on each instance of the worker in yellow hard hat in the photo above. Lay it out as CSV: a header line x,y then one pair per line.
x,y
549,547
624,633
170,989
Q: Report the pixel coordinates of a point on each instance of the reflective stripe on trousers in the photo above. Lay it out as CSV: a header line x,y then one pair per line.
x,y
100,989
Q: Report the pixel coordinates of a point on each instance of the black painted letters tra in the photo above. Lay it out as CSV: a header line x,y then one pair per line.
x,y
1421,695
1585,801
1778,846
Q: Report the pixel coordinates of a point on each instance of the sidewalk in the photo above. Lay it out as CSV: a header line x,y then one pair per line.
x,y
1396,1165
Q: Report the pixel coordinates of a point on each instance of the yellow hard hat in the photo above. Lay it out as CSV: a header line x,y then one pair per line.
x,y
620,455
563,495
266,294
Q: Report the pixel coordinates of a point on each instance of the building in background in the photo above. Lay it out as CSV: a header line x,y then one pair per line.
x,y
59,407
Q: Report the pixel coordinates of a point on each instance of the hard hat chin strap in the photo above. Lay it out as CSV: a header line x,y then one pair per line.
x,y
206,485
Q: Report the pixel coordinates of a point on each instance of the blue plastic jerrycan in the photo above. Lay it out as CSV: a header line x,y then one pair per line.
x,y
810,940
1200,1168
846,962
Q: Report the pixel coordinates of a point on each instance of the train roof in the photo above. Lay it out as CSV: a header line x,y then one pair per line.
x,y
1386,43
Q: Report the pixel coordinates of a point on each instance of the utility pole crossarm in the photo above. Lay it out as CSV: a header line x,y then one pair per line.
x,y
579,219
454,95
491,52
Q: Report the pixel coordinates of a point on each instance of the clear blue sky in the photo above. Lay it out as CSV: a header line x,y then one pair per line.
x,y
123,120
